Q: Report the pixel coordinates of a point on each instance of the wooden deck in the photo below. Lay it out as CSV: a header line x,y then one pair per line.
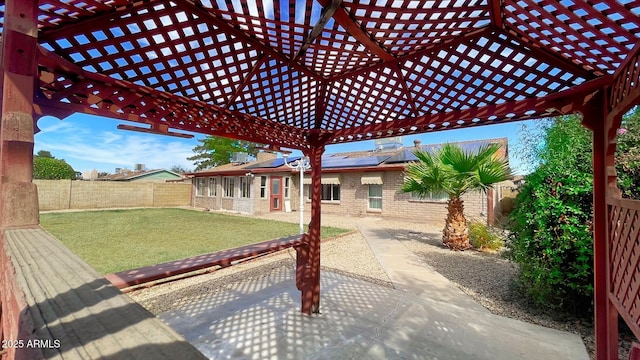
x,y
129,278
72,311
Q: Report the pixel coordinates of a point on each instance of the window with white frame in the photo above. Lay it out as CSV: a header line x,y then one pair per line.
x,y
228,185
245,186
263,187
201,184
331,192
287,187
375,197
213,184
432,196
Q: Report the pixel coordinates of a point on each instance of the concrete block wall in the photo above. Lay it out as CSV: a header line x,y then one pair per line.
x,y
67,194
54,194
166,194
98,195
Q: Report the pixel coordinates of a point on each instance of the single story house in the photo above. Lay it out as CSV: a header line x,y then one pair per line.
x,y
353,184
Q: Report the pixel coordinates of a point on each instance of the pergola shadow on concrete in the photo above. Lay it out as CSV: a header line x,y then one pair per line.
x,y
305,74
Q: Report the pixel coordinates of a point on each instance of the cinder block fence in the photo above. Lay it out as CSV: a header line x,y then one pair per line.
x,y
75,194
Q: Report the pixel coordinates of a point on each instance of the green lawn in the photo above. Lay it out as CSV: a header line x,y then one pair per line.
x,y
117,240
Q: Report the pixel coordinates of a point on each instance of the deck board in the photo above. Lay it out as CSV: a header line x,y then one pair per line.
x,y
70,302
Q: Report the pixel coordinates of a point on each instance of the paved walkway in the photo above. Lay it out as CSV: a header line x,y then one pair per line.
x,y
407,272
425,317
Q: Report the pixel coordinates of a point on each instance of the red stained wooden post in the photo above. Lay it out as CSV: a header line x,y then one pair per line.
x,y
606,316
19,200
308,254
18,196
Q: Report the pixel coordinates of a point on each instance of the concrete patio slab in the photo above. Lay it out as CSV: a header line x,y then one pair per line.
x,y
260,319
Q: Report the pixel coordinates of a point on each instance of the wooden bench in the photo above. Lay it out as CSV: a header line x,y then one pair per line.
x,y
55,306
144,275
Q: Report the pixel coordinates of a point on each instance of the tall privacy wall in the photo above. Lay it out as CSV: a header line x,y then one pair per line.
x,y
76,194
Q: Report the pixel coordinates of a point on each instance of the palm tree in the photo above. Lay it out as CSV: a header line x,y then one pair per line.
x,y
453,171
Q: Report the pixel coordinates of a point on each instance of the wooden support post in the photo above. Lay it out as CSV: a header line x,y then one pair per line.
x,y
606,316
18,75
308,254
18,196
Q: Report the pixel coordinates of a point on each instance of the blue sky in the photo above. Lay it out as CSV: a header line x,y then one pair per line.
x,y
90,142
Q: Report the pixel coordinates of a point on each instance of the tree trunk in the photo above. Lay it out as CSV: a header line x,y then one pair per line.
x,y
456,234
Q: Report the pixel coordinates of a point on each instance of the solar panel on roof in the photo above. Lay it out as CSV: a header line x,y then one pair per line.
x,y
331,162
407,155
402,156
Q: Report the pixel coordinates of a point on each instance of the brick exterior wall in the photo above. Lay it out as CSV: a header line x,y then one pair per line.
x,y
354,196
354,199
68,194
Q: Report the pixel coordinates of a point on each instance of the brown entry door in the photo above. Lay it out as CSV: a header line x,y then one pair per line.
x,y
276,193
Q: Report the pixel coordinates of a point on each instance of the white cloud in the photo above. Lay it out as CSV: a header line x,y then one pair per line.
x,y
92,144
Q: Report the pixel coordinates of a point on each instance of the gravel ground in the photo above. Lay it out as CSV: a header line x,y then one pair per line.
x,y
487,277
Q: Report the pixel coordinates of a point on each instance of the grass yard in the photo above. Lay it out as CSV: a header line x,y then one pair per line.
x,y
117,240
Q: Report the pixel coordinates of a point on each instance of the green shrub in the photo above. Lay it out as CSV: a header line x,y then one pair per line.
x,y
484,238
52,169
551,235
628,155
551,239
550,226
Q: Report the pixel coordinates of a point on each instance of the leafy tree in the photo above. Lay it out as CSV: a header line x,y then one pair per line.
x,y
216,150
44,153
454,171
551,235
52,169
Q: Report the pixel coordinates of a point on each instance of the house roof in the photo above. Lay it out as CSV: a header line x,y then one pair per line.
x,y
348,161
283,73
127,175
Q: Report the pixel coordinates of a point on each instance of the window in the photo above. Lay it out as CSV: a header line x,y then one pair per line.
x,y
200,186
213,182
331,192
375,197
431,197
287,186
263,187
245,186
228,185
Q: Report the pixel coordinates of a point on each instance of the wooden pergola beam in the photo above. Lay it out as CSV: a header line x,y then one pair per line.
x,y
342,17
562,103
175,111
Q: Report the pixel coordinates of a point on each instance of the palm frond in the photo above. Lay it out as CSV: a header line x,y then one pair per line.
x,y
454,171
426,175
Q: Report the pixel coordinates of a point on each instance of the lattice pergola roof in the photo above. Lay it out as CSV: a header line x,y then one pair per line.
x,y
275,72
